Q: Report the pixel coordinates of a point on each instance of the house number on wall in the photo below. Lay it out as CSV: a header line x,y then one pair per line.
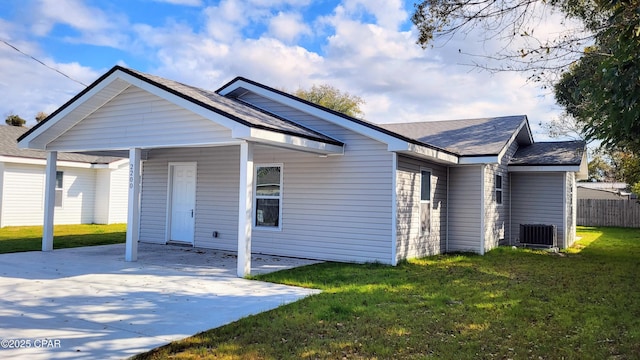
x,y
130,176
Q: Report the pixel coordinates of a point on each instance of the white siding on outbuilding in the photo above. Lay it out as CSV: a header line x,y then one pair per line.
x,y
465,213
111,195
410,243
538,198
23,195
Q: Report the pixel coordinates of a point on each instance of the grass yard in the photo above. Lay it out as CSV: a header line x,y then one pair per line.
x,y
29,238
509,304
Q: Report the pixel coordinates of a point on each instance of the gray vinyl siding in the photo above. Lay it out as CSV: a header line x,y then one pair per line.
x,y
136,118
497,215
23,195
537,198
216,195
465,228
335,208
410,243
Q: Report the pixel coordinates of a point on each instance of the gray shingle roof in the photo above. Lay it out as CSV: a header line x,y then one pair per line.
x,y
9,147
234,109
550,153
471,137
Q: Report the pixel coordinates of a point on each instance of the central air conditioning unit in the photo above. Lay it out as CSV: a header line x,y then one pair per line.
x,y
539,235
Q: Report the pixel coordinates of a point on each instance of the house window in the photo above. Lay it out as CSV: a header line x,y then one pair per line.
x,y
268,192
425,202
59,188
498,189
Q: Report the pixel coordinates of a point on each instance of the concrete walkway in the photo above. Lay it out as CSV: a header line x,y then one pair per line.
x,y
88,303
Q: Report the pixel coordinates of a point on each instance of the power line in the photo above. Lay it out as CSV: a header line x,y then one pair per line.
x,y
47,66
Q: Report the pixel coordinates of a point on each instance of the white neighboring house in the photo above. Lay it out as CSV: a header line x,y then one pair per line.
x,y
89,189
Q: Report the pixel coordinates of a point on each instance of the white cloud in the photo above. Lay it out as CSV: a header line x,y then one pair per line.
x,y
288,27
364,52
70,12
95,26
30,87
389,14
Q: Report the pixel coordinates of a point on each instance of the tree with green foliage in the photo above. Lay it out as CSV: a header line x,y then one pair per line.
x,y
41,115
600,169
599,62
332,98
15,120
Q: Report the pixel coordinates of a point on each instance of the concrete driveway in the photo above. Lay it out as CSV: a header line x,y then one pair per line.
x,y
88,303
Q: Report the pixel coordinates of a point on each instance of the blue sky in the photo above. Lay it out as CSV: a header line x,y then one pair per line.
x,y
364,47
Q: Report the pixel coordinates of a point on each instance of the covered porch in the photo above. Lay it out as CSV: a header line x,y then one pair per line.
x,y
129,114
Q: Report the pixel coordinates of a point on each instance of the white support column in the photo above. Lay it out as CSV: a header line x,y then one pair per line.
x,y
245,218
133,214
49,200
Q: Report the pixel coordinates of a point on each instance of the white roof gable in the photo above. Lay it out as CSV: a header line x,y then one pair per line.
x,y
140,125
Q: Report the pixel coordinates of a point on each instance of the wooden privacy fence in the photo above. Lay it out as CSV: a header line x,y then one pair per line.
x,y
597,212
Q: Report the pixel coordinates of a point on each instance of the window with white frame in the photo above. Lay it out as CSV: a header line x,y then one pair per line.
x,y
498,189
59,188
425,202
268,196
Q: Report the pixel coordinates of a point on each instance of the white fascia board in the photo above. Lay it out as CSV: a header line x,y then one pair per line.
x,y
543,168
312,110
43,162
288,141
513,138
423,151
476,160
177,100
145,146
28,141
583,173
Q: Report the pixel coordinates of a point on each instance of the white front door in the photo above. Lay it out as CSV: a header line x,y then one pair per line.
x,y
183,202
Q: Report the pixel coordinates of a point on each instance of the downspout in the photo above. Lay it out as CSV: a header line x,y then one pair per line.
x,y
482,208
446,235
394,209
510,223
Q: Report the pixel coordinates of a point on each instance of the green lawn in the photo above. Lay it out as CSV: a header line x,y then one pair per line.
x,y
509,304
29,238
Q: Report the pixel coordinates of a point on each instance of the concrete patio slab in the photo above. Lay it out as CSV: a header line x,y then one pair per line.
x,y
88,303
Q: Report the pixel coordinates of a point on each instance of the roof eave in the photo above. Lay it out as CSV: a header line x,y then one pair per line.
x,y
423,152
544,168
360,126
479,159
289,141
